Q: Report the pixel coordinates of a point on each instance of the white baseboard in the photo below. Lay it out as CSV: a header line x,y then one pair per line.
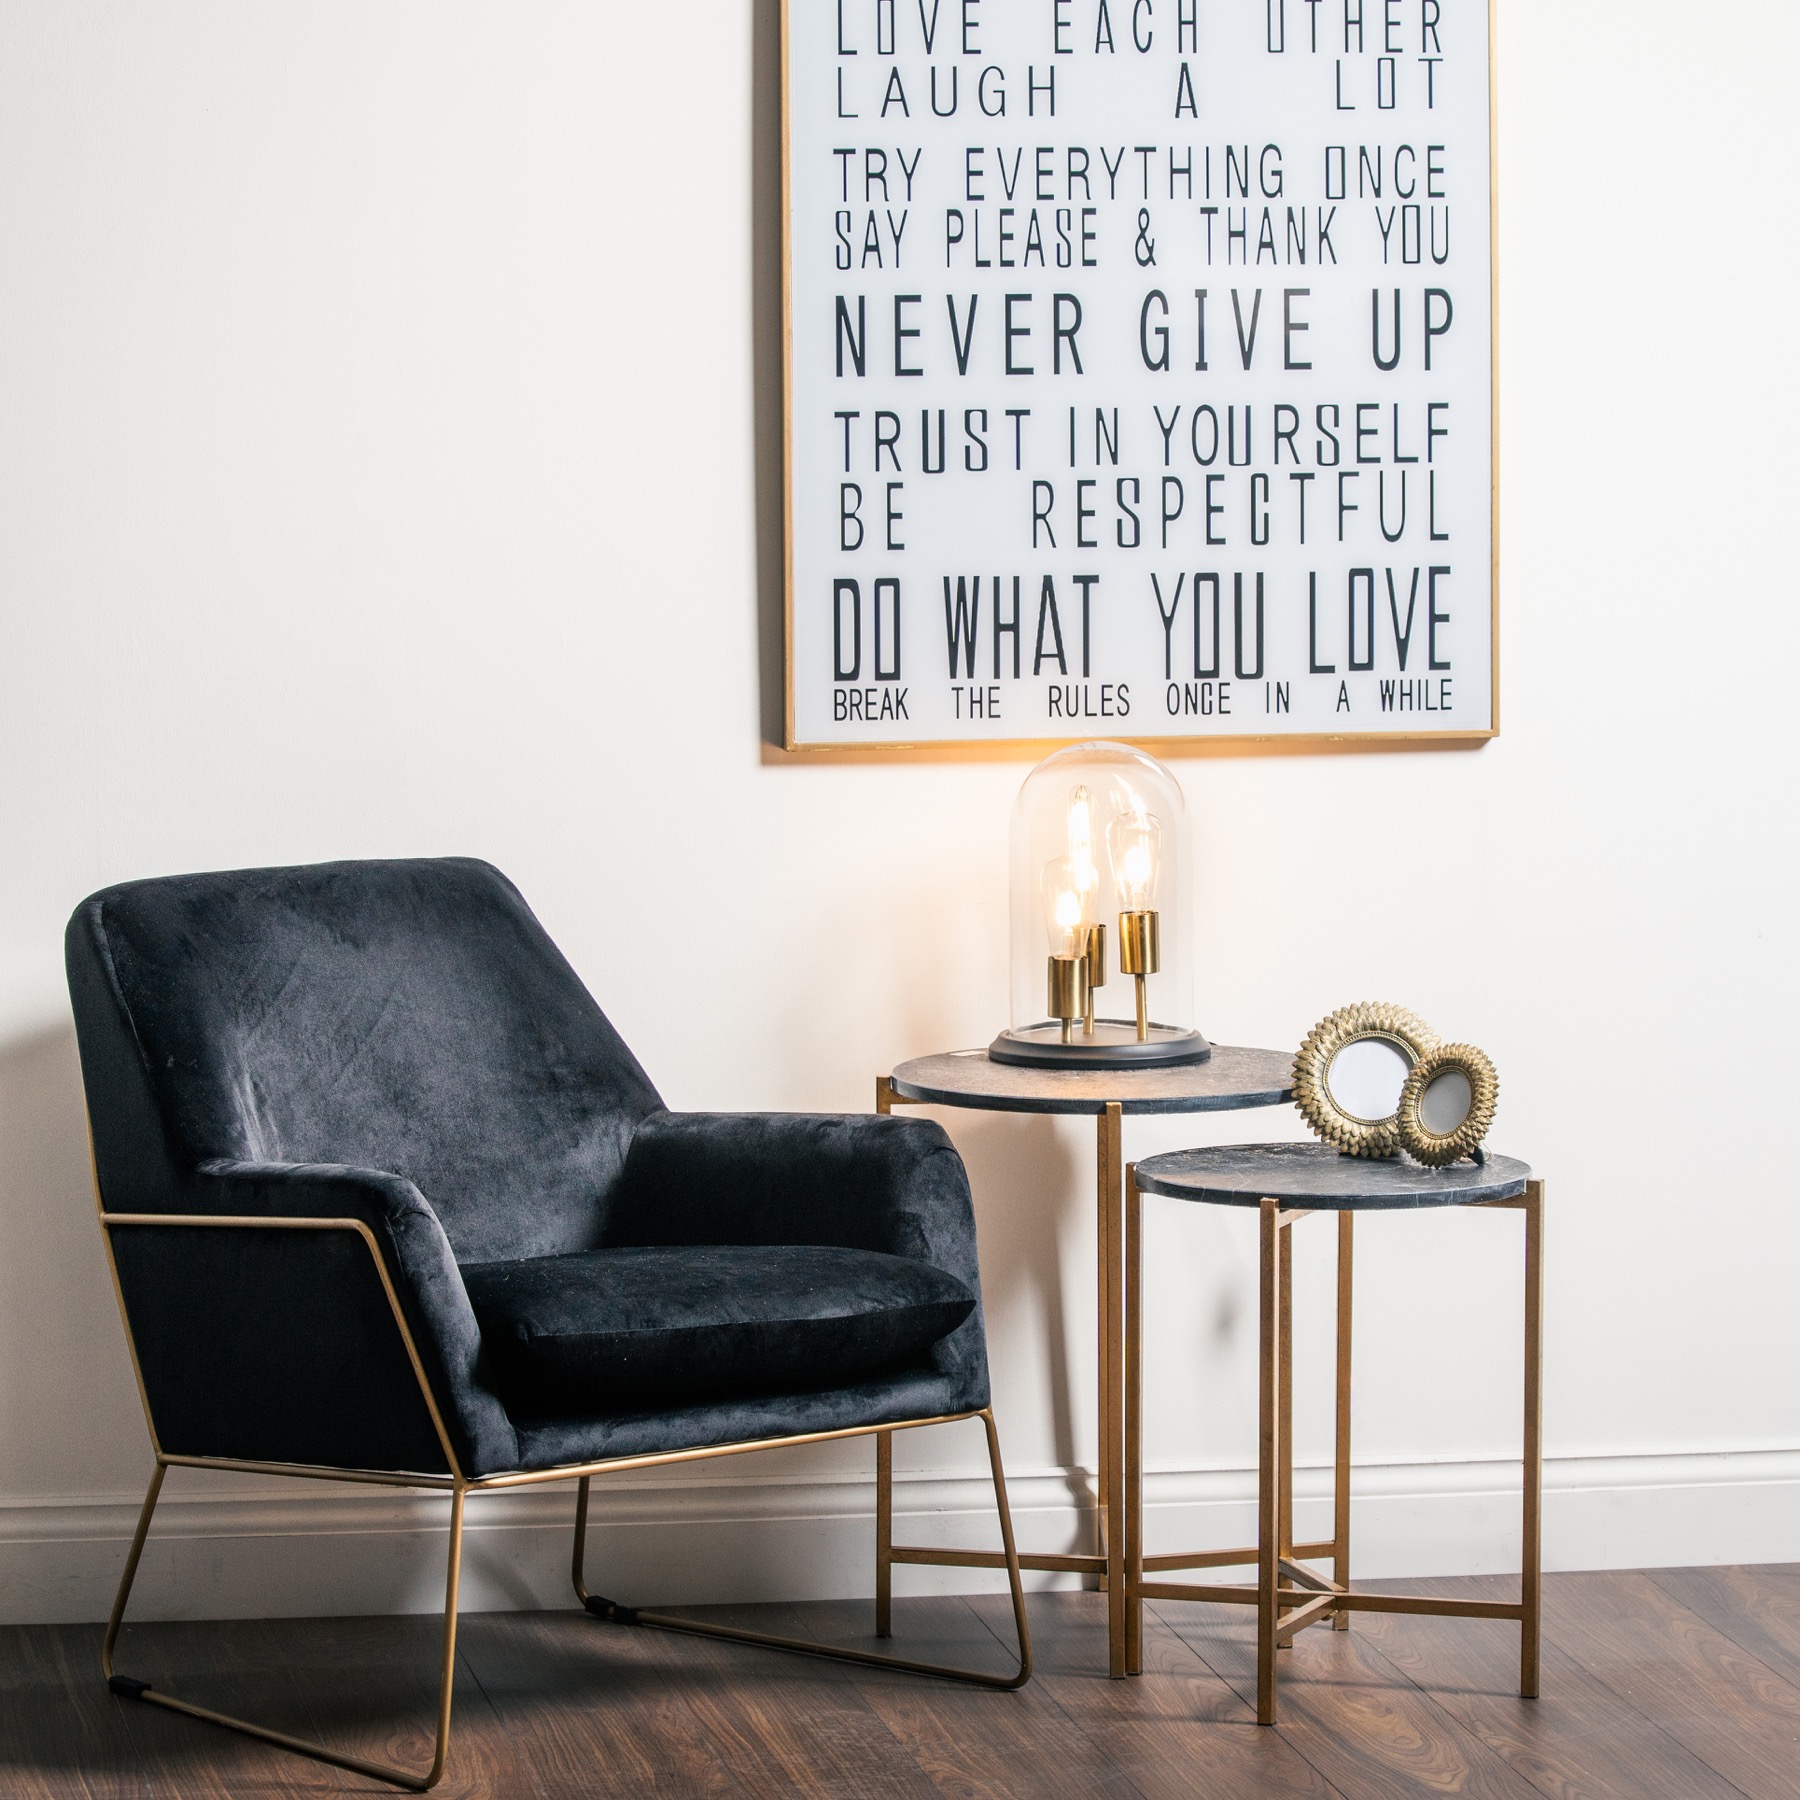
x,y
299,1549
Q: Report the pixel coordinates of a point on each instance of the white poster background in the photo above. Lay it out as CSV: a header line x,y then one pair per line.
x,y
1301,163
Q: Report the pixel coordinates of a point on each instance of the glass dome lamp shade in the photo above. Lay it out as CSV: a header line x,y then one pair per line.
x,y
1099,845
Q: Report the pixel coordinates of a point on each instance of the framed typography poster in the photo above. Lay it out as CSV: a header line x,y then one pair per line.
x,y
1140,371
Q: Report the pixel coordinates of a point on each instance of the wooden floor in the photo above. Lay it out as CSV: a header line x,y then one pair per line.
x,y
1679,1683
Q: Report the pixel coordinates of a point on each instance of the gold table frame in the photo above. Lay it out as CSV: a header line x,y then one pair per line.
x,y
1119,1470
1288,1596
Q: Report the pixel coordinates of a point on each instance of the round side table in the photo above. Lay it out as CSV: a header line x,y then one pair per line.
x,y
1287,1183
1230,1079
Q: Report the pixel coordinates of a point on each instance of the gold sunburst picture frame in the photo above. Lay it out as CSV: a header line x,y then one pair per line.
x,y
1370,1020
1434,1126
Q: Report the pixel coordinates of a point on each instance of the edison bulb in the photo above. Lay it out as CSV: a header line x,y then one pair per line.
x,y
1081,839
1134,848
1068,904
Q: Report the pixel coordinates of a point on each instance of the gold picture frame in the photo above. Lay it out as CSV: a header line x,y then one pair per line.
x,y
1369,1021
1421,1134
795,748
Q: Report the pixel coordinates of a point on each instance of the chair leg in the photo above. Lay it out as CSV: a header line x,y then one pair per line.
x,y
131,1688
602,1608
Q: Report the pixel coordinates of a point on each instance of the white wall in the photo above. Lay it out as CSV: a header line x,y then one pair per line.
x,y
386,414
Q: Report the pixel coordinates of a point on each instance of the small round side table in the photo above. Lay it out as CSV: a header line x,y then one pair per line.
x,y
1233,1077
1287,1183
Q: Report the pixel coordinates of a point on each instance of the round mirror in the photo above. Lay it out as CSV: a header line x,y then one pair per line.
x,y
1447,1105
1366,1076
1351,1071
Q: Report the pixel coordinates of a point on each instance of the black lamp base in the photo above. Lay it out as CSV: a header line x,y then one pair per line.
x,y
1112,1044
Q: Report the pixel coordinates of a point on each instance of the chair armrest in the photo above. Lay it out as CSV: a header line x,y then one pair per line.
x,y
856,1180
416,1256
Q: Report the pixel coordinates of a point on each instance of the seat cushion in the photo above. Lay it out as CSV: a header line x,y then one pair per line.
x,y
639,1329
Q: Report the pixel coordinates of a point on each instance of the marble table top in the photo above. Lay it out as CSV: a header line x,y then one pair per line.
x,y
1230,1078
1318,1177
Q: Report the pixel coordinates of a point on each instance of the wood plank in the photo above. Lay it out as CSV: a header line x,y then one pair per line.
x,y
1361,1724
1579,1739
783,1724
1757,1608
587,1705
244,1667
366,1687
1681,1683
1724,1704
1176,1730
974,1743
217,1664
61,1733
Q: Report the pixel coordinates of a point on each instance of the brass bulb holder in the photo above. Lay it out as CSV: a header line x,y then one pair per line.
x,y
1094,952
1140,943
1066,980
1140,954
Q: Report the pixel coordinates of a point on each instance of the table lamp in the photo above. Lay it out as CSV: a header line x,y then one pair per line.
x,y
1098,842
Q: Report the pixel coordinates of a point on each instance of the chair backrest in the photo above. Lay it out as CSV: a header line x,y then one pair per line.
x,y
406,1016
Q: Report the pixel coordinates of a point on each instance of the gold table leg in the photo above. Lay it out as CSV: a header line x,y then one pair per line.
x,y
1285,1375
1103,1256
884,1534
1112,1395
1134,1425
1531,1565
1269,1455
884,1466
1340,1488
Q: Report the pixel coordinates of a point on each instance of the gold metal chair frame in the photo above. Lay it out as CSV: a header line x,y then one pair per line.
x,y
460,1486
1287,1595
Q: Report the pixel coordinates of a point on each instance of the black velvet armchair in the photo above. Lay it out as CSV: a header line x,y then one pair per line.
x,y
387,1199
